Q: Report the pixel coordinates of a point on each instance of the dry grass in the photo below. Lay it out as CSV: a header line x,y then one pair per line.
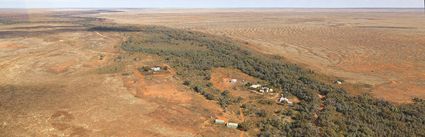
x,y
70,83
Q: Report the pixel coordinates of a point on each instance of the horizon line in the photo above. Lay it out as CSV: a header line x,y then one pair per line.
x,y
214,8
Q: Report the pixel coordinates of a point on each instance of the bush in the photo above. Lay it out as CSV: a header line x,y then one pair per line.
x,y
261,113
187,83
246,125
197,53
199,89
209,84
266,101
209,96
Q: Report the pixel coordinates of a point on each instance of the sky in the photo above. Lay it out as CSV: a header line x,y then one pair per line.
x,y
211,3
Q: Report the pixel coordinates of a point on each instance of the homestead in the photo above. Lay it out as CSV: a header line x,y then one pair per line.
x,y
260,89
228,124
153,69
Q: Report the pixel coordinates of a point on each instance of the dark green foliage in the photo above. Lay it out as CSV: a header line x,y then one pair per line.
x,y
199,89
249,109
187,82
266,101
144,69
193,55
114,29
261,113
246,125
225,99
209,84
209,96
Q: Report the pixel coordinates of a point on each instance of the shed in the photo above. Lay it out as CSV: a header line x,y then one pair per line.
x,y
255,86
283,99
219,121
232,125
156,68
233,80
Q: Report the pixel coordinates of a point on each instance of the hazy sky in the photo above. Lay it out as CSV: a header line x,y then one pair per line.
x,y
207,3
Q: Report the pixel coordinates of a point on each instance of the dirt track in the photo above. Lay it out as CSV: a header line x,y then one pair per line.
x,y
383,48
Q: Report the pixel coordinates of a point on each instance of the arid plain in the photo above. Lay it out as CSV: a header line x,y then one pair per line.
x,y
60,78
383,48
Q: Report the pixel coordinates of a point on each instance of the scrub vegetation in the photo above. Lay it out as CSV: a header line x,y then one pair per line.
x,y
195,54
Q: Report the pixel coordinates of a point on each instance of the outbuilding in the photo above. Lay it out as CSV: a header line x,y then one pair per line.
x,y
232,125
255,86
338,82
156,69
219,121
233,80
283,99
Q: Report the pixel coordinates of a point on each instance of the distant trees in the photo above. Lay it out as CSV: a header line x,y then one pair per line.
x,y
114,28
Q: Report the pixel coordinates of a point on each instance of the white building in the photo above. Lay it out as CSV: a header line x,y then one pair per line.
x,y
156,68
232,125
255,86
233,80
283,99
219,121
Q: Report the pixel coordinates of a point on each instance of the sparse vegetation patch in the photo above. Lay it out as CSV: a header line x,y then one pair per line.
x,y
339,114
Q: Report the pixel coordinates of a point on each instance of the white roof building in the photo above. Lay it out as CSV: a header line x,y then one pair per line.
x,y
283,99
219,121
255,86
232,125
233,80
156,68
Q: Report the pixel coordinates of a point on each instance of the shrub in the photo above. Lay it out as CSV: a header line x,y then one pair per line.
x,y
199,89
209,96
187,82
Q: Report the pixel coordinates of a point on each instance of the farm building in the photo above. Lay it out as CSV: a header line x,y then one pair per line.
x,y
156,69
219,121
266,90
255,86
283,100
233,80
232,125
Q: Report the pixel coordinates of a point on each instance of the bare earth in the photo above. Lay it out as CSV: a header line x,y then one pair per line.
x,y
62,82
57,79
380,47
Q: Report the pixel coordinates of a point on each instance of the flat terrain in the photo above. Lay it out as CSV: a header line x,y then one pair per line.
x,y
92,72
58,79
380,47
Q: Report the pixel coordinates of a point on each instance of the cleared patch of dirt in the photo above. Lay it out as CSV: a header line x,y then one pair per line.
x,y
221,78
50,86
62,67
160,86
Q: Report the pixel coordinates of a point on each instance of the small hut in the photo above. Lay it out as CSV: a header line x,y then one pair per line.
x,y
219,121
156,69
283,99
255,86
232,125
233,80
